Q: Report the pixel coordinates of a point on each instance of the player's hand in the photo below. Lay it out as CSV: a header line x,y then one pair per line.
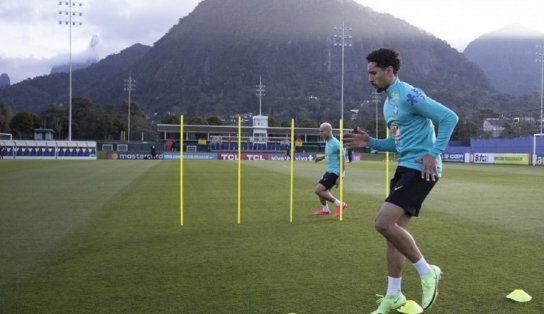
x,y
428,167
319,158
357,138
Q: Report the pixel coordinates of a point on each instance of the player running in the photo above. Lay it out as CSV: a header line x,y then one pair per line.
x,y
332,175
409,114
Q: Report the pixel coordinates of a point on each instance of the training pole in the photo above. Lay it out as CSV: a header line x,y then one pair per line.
x,y
181,169
341,169
292,164
239,165
386,166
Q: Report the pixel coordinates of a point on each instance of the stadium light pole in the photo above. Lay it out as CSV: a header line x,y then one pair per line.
x,y
540,58
342,38
70,13
260,92
376,99
130,86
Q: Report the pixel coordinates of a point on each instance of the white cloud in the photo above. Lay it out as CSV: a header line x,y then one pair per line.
x,y
461,21
32,39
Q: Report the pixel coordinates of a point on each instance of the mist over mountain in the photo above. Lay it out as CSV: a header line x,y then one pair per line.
x,y
508,58
102,82
210,62
80,60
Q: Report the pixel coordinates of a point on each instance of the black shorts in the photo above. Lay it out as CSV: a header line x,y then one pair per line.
x,y
328,180
408,190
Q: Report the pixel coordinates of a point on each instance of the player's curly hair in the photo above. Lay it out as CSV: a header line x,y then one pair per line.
x,y
385,57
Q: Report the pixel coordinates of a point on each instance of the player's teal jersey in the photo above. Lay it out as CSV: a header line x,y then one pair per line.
x,y
332,151
409,114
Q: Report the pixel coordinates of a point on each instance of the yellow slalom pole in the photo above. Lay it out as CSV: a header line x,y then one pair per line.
x,y
239,165
387,167
341,169
181,169
292,162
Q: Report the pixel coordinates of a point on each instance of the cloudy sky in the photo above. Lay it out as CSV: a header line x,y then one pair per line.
x,y
31,39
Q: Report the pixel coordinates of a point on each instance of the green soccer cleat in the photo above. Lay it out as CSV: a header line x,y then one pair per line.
x,y
389,303
429,284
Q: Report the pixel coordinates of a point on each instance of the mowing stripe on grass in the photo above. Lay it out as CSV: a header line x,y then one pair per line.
x,y
131,255
45,202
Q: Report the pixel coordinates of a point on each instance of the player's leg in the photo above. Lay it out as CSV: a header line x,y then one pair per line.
x,y
392,223
395,259
386,224
408,191
322,193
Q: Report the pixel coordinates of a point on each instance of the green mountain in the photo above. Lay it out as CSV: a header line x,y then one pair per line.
x,y
507,56
102,82
209,64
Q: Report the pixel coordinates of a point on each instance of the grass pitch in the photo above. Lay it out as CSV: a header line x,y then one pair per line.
x,y
104,237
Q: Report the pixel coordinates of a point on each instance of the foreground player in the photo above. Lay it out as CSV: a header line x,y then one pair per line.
x,y
409,114
331,176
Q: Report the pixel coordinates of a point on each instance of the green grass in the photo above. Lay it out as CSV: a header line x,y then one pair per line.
x,y
104,237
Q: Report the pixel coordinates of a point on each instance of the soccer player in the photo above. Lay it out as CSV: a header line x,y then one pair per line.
x,y
332,175
409,115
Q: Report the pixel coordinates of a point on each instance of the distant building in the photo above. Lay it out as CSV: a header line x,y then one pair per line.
x,y
523,119
44,134
260,127
495,126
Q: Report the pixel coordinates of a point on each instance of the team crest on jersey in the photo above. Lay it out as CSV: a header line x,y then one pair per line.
x,y
395,110
394,130
395,134
394,96
414,95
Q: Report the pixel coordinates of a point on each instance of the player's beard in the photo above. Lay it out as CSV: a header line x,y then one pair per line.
x,y
378,89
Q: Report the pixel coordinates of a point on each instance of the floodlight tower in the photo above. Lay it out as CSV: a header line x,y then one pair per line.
x,y
540,58
260,92
342,38
376,99
130,86
70,13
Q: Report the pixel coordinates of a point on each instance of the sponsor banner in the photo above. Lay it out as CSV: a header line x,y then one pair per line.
x,y
538,160
479,158
512,159
310,157
278,157
199,156
453,157
245,156
131,156
263,156
160,156
190,156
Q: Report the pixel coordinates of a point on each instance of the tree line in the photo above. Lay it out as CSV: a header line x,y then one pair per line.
x,y
89,121
93,122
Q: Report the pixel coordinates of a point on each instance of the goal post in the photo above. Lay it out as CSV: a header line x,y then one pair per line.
x,y
6,136
536,159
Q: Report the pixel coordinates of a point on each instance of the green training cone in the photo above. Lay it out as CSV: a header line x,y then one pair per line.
x,y
519,295
411,307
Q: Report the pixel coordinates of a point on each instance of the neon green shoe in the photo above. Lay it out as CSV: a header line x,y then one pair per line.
x,y
429,284
389,303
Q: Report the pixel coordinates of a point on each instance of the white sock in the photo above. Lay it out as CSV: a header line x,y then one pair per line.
x,y
337,202
393,285
325,207
422,267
